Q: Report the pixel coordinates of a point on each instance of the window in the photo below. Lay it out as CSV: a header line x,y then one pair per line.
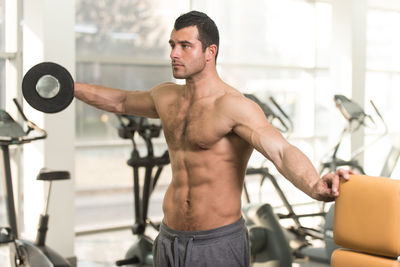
x,y
122,45
2,60
383,83
271,50
280,49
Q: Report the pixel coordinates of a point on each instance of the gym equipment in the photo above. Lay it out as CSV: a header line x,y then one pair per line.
x,y
268,241
141,251
48,87
280,120
302,247
24,253
367,222
6,237
391,159
354,114
356,117
302,235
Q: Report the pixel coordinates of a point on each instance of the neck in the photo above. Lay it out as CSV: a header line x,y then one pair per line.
x,y
202,85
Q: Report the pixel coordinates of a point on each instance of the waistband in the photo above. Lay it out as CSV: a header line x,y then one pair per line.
x,y
207,235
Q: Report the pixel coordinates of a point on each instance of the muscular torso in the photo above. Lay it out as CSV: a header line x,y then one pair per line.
x,y
208,160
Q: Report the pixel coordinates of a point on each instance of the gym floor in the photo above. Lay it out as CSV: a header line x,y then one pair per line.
x,y
103,249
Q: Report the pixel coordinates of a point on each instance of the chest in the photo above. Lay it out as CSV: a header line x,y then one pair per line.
x,y
200,124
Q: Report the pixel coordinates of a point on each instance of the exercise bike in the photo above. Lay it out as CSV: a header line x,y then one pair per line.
x,y
141,251
24,253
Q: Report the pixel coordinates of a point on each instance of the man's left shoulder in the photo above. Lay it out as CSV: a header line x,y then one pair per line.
x,y
240,109
233,99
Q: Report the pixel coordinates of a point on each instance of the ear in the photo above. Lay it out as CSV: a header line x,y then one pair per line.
x,y
211,52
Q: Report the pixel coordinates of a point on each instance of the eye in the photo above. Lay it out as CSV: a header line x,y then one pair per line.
x,y
186,45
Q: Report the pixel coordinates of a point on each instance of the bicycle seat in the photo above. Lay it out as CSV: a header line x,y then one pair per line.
x,y
9,127
51,175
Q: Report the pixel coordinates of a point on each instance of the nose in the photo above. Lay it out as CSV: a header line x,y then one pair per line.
x,y
174,53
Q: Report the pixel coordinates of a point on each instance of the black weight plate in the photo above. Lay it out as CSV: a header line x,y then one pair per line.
x,y
59,101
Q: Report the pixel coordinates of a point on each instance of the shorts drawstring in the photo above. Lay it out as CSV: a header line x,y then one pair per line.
x,y
189,247
176,253
168,250
172,250
181,248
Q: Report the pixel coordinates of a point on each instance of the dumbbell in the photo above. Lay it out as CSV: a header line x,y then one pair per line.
x,y
48,87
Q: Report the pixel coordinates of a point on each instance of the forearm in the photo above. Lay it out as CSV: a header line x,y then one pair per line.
x,y
251,125
298,169
288,159
101,97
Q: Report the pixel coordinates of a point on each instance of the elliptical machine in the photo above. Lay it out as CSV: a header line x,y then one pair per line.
x,y
24,253
141,251
356,117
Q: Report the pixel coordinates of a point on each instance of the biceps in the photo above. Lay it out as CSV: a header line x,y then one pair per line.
x,y
266,140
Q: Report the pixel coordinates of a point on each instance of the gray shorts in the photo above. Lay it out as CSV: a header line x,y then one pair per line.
x,y
224,246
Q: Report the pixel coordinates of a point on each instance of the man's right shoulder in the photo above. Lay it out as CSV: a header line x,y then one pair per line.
x,y
167,88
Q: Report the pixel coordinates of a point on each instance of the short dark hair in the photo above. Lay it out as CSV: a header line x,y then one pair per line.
x,y
208,31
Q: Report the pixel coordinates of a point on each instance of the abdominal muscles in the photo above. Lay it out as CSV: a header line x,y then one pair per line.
x,y
205,191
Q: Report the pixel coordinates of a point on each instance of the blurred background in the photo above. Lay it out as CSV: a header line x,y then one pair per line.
x,y
301,52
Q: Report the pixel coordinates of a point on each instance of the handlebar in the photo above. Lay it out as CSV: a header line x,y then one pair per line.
x,y
289,120
22,136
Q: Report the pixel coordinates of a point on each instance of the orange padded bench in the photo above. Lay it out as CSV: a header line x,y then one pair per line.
x,y
367,223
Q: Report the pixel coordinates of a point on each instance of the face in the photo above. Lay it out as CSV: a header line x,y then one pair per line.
x,y
188,58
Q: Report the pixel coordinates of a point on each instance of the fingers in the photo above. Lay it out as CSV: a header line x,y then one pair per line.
x,y
344,173
328,186
335,180
335,185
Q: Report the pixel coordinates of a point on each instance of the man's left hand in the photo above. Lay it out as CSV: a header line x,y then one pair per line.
x,y
327,188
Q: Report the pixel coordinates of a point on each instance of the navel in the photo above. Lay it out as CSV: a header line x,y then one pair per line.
x,y
188,202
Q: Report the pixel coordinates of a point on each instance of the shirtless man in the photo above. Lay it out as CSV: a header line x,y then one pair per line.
x,y
211,130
